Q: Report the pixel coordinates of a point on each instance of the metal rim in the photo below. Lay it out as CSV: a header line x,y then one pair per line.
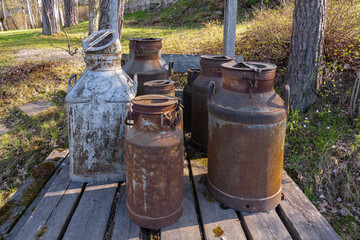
x,y
160,83
240,66
154,103
216,57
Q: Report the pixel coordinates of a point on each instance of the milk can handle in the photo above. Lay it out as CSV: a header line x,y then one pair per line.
x,y
70,87
171,68
211,90
130,116
287,99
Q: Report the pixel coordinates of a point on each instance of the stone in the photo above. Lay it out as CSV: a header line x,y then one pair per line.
x,y
33,108
344,212
3,129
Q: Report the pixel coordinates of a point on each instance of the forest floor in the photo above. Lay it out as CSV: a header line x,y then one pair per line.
x,y
322,149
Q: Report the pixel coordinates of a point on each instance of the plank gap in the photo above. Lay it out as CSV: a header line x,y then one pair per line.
x,y
197,206
150,234
110,224
243,225
73,209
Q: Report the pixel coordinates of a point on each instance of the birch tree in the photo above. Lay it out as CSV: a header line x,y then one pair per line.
x,y
111,15
30,15
10,14
3,24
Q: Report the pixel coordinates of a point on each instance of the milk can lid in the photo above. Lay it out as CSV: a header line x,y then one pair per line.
x,y
160,83
100,40
154,104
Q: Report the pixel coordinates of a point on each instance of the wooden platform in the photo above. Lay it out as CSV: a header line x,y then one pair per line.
x,y
69,210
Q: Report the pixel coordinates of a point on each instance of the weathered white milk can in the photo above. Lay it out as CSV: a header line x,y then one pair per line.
x,y
96,110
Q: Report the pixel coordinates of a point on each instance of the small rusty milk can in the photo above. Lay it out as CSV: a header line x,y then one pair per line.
x,y
210,71
96,110
192,74
154,162
247,121
145,60
162,87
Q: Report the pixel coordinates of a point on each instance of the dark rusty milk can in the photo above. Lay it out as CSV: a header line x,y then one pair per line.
x,y
162,87
210,71
96,110
154,162
146,61
192,74
247,121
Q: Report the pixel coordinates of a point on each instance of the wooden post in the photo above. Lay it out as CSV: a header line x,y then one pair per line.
x,y
229,27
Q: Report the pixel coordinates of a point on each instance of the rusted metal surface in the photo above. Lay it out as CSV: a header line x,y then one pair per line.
x,y
154,166
162,87
96,109
247,121
145,61
192,74
210,72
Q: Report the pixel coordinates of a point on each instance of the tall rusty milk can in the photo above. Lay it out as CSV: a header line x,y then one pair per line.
x,y
96,110
192,74
145,60
210,72
154,162
247,121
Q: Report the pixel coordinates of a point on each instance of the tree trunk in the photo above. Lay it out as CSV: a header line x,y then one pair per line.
x,y
38,6
3,24
61,14
121,17
11,16
93,15
306,51
71,12
109,14
50,13
31,18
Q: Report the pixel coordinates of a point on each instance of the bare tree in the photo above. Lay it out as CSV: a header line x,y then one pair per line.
x,y
3,24
38,7
50,13
111,14
93,15
71,12
306,51
30,15
10,14
61,13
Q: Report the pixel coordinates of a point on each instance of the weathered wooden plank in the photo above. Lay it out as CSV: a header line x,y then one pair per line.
x,y
264,225
300,216
187,227
123,228
25,217
212,215
49,217
92,214
11,212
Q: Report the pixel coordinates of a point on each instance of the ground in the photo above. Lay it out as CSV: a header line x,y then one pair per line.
x,y
322,151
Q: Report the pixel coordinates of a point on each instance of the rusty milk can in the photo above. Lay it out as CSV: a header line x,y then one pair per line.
x,y
210,71
247,121
162,87
192,74
154,162
145,60
96,109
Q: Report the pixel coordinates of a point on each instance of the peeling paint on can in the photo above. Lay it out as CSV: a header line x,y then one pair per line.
x,y
96,109
155,162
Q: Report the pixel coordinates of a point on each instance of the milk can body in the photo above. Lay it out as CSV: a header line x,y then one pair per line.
x,y
146,61
192,74
210,72
96,110
154,166
247,121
